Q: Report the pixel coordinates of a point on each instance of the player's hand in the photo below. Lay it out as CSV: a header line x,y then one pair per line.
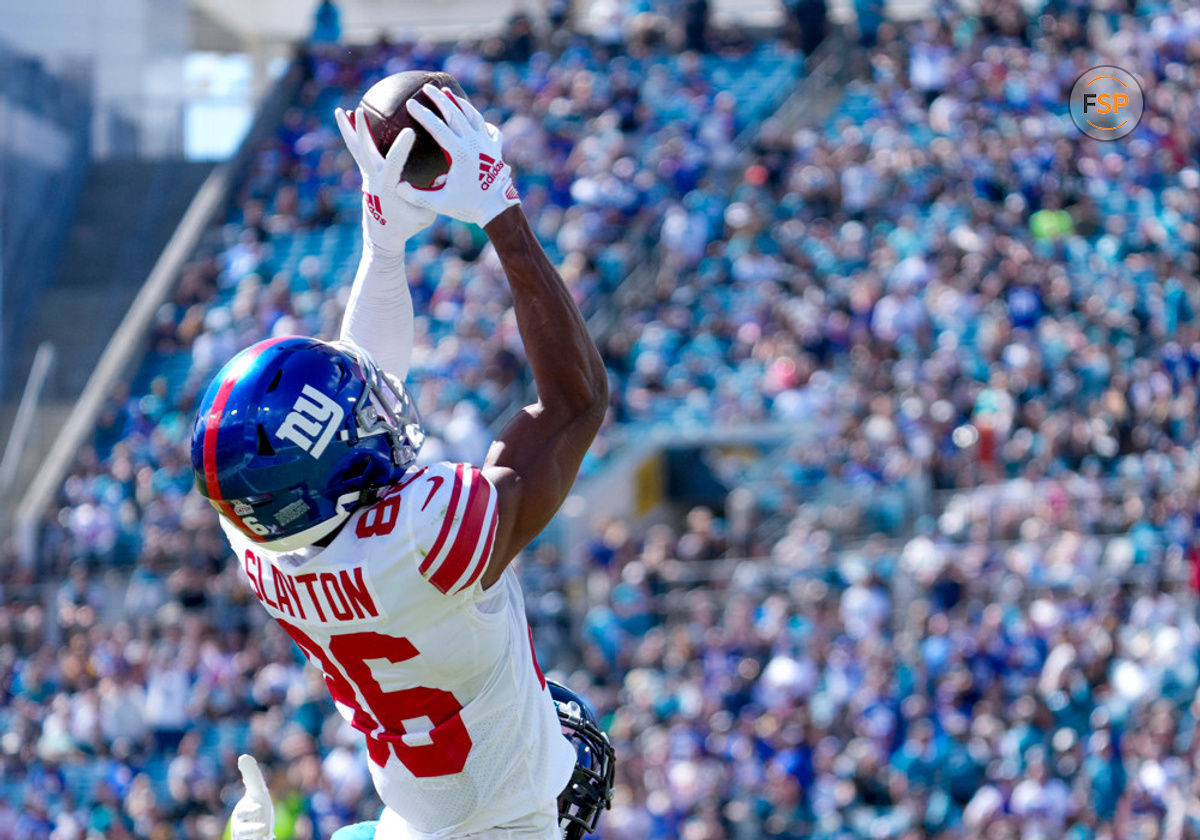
x,y
479,185
253,815
388,220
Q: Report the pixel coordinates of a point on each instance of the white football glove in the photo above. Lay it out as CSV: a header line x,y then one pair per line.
x,y
253,815
388,220
479,185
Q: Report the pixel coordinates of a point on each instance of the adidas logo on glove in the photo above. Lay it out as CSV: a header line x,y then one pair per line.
x,y
375,208
489,169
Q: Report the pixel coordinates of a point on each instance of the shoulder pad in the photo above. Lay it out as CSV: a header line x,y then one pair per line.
x,y
454,520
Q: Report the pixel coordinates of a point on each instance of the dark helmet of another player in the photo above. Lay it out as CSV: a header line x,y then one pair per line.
x,y
294,434
590,789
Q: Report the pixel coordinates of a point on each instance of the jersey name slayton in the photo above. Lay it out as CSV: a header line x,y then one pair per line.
x,y
435,672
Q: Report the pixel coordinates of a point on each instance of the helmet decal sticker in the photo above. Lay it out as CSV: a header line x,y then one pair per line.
x,y
290,513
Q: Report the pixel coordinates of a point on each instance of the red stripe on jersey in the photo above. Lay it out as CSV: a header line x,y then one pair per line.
x,y
446,523
533,653
459,555
485,556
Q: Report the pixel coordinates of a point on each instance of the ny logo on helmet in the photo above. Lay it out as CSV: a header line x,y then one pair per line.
x,y
312,421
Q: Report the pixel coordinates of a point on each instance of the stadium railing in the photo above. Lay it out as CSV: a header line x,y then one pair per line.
x,y
27,415
628,489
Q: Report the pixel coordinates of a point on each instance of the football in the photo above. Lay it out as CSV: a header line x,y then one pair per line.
x,y
384,108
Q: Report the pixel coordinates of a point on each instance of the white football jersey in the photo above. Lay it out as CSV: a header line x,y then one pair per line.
x,y
437,673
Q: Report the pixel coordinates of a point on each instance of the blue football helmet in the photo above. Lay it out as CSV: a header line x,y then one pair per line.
x,y
589,792
294,434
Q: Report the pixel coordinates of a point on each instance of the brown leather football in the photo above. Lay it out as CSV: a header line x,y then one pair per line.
x,y
383,106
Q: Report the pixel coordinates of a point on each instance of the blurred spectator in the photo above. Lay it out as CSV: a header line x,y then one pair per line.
x,y
327,24
811,21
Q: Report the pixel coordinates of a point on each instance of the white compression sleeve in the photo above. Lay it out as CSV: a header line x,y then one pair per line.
x,y
379,313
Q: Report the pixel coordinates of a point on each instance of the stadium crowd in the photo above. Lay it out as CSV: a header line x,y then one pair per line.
x,y
1025,668
605,143
960,291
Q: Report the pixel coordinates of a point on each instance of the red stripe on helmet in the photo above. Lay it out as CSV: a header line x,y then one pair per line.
x,y
213,422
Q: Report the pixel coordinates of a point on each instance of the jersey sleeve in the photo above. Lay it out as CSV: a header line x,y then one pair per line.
x,y
455,514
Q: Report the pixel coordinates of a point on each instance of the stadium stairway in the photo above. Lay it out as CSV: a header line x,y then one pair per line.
x,y
125,216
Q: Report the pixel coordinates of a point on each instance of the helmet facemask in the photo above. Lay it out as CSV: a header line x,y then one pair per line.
x,y
385,408
589,791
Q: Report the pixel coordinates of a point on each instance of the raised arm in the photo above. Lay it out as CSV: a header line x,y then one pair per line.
x,y
379,312
534,461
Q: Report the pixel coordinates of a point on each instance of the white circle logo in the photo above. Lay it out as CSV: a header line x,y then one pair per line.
x,y
1106,103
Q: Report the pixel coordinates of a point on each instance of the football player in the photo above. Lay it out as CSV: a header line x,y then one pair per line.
x,y
394,579
586,795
